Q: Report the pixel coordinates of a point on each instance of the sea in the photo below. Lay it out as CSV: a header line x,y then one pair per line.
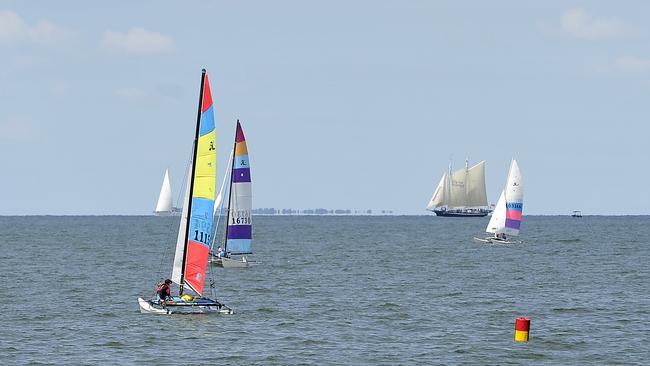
x,y
332,290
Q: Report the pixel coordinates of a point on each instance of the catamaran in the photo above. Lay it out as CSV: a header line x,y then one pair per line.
x,y
195,229
461,193
239,225
165,207
506,218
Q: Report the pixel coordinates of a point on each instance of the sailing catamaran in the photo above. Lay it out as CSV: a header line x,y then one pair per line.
x,y
461,193
239,229
164,207
191,258
506,218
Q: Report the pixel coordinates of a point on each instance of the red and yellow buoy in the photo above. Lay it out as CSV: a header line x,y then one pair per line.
x,y
522,326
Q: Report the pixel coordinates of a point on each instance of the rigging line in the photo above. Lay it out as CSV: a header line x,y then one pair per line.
x,y
172,223
221,201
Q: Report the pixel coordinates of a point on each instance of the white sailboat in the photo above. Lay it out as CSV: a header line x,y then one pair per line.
x,y
461,193
195,229
239,225
165,207
506,218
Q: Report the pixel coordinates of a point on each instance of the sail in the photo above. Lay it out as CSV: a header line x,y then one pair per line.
x,y
514,194
239,232
438,198
180,241
165,197
217,201
497,222
202,196
457,190
476,194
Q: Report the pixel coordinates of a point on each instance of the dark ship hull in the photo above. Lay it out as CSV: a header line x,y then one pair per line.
x,y
461,213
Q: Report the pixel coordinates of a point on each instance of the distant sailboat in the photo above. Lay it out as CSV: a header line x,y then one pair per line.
x,y
194,232
239,225
165,207
461,193
506,218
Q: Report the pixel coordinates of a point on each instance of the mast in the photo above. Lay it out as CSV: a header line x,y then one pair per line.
x,y
189,207
232,168
448,186
466,180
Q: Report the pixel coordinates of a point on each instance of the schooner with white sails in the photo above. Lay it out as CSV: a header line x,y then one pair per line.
x,y
461,193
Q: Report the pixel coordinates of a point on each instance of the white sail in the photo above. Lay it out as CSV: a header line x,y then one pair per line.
x,y
476,195
457,189
438,198
463,188
497,222
165,197
217,201
514,199
182,227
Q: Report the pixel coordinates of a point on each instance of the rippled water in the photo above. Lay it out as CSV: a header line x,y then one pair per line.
x,y
332,290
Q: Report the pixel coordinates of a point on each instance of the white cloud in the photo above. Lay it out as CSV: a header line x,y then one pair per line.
x,y
139,41
632,64
583,25
18,130
13,29
158,95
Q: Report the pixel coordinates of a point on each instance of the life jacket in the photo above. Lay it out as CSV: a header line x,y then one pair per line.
x,y
163,290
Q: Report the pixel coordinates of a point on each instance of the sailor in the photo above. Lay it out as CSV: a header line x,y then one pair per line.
x,y
220,252
164,290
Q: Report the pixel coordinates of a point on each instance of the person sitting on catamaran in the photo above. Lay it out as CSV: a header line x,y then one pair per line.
x,y
164,290
220,253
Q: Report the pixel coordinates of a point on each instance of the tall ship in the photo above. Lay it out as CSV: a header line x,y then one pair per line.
x,y
461,193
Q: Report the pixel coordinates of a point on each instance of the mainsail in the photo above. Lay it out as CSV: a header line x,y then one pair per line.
x,y
165,197
506,217
461,188
239,233
198,209
514,199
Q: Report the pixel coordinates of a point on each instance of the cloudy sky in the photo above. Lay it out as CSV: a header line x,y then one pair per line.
x,y
344,104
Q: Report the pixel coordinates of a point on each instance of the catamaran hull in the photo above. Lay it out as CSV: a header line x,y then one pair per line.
x,y
496,241
229,262
445,213
150,307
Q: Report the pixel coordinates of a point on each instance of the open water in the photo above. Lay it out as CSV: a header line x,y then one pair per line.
x,y
332,291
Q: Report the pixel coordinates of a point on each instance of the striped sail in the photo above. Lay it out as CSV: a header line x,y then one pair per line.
x,y
202,196
239,232
514,194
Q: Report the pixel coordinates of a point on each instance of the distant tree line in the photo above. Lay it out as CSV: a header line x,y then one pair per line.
x,y
314,211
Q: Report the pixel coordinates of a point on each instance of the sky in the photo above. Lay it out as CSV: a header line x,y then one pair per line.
x,y
345,104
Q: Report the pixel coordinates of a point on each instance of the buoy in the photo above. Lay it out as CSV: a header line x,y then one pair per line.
x,y
522,327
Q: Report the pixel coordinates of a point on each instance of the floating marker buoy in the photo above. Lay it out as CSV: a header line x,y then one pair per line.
x,y
522,326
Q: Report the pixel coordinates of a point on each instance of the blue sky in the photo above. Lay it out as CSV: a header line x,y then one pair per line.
x,y
344,104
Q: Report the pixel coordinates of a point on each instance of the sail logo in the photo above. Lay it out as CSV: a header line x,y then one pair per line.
x,y
518,206
211,146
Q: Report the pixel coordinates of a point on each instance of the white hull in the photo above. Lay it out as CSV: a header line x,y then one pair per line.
x,y
175,212
492,240
229,262
182,307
